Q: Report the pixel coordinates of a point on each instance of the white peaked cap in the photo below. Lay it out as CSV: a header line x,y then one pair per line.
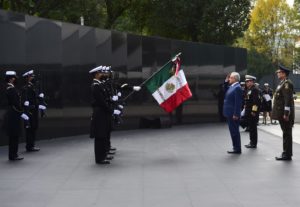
x,y
99,68
107,69
250,77
10,72
28,73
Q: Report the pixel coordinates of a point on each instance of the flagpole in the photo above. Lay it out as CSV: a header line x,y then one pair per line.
x,y
143,83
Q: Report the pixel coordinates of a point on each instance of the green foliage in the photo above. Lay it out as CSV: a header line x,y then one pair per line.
x,y
271,36
259,64
224,21
272,30
212,21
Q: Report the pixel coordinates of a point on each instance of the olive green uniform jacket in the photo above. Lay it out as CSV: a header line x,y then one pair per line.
x,y
283,103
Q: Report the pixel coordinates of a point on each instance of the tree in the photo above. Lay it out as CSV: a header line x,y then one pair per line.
x,y
64,10
224,21
297,51
212,21
272,30
259,64
114,10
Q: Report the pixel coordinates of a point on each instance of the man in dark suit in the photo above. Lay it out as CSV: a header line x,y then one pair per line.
x,y
232,111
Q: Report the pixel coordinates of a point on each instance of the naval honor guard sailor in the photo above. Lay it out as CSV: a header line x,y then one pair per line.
x,y
33,101
101,116
12,118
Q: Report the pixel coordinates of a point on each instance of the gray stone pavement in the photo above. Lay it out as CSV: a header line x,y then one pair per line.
x,y
183,166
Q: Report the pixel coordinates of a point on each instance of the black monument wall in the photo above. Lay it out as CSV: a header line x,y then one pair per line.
x,y
63,53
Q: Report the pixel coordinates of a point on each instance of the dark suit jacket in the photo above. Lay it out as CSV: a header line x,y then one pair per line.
x,y
233,101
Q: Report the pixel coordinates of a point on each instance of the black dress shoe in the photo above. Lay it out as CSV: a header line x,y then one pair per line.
x,y
283,158
33,149
234,152
111,153
16,158
103,162
250,146
113,149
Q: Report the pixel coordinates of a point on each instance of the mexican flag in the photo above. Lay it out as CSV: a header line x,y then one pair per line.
x,y
169,86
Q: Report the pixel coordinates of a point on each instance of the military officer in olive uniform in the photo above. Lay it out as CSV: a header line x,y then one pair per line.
x,y
13,116
252,103
33,102
101,117
284,111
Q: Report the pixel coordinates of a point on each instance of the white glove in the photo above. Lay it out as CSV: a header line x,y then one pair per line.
x,y
41,95
25,117
119,94
243,112
137,88
115,98
42,107
117,112
26,103
124,85
121,106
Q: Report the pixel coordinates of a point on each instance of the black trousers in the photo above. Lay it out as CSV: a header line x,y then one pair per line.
x,y
108,143
252,125
13,147
100,147
30,138
286,127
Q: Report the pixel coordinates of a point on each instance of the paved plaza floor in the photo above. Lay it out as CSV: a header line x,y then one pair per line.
x,y
183,166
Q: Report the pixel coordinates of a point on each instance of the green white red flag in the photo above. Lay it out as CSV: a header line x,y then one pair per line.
x,y
169,86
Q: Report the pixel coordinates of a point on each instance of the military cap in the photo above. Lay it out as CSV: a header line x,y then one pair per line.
x,y
97,69
249,77
242,83
107,69
281,68
28,73
10,73
266,84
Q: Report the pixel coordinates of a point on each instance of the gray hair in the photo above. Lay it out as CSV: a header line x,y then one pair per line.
x,y
236,76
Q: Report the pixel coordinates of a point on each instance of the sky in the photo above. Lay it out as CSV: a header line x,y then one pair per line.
x,y
290,2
